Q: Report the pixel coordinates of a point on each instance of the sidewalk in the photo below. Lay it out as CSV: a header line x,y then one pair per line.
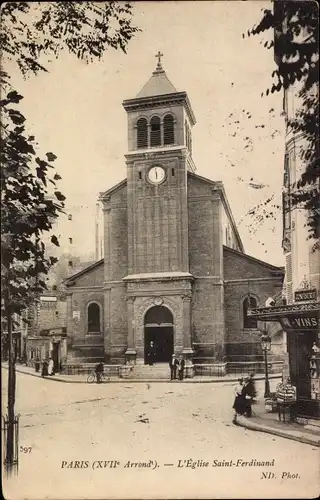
x,y
82,379
268,422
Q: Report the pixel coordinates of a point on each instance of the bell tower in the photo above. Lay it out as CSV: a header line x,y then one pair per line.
x,y
158,284
160,120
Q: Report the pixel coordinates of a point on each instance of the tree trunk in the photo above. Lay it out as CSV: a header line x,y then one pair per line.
x,y
11,389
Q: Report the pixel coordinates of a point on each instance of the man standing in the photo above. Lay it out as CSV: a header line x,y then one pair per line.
x,y
99,371
181,368
152,353
173,363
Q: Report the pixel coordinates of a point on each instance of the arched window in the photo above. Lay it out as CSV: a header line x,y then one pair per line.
x,y
142,133
155,132
248,321
168,130
93,318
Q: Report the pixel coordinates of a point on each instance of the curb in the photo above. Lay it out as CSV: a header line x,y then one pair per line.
x,y
253,426
143,381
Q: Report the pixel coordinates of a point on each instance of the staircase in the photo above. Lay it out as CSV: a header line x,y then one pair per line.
x,y
150,372
313,425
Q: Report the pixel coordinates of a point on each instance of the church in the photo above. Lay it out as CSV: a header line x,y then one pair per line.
x,y
174,270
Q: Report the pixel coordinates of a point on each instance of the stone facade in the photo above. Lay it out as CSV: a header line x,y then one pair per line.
x,y
165,249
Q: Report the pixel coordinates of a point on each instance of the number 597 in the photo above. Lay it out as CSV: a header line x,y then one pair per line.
x,y
25,449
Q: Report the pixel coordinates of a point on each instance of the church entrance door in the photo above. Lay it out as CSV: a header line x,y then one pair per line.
x,y
158,329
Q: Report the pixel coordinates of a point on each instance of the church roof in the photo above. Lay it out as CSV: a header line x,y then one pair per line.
x,y
70,281
158,84
274,269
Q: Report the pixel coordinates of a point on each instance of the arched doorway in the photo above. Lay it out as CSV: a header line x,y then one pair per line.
x,y
158,328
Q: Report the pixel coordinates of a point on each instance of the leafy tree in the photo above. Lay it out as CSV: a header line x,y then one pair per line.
x,y
30,34
296,46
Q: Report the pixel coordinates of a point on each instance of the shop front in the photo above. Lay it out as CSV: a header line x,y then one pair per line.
x,y
301,322
50,344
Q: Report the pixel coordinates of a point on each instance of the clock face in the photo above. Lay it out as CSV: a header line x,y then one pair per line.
x,y
156,175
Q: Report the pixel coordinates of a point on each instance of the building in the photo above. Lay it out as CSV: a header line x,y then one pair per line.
x,y
174,269
46,336
19,337
300,313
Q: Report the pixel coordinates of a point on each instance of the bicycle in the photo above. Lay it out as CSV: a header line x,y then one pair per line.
x,y
92,377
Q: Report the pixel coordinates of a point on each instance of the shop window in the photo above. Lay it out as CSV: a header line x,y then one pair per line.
x,y
248,321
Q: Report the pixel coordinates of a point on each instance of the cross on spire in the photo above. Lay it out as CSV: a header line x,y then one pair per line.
x,y
159,55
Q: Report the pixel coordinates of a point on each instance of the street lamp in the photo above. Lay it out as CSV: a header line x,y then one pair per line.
x,y
266,346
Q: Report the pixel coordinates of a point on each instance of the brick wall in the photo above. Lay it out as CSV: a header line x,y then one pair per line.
x,y
77,311
118,323
119,245
261,280
93,277
204,229
238,265
157,215
208,319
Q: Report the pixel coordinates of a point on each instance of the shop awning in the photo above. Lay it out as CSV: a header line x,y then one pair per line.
x,y
303,316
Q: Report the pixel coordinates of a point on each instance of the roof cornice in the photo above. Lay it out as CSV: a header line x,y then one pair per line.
x,y
141,103
70,281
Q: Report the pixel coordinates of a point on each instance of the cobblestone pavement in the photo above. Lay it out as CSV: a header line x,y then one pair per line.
x,y
154,424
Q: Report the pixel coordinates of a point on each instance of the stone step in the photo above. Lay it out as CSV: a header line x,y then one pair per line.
x,y
313,425
157,371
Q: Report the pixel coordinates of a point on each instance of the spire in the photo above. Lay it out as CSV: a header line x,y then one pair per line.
x,y
158,83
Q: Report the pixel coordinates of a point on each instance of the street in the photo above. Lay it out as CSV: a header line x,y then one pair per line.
x,y
155,423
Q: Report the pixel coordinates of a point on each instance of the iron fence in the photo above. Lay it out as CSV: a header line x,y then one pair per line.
x,y
87,368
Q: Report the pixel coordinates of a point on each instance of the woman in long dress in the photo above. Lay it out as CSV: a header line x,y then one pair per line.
x,y
239,404
50,367
44,371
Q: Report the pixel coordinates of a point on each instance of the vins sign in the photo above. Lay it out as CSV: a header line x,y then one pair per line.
x,y
310,322
302,295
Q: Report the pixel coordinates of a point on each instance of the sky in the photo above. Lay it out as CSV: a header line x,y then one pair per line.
x,y
76,112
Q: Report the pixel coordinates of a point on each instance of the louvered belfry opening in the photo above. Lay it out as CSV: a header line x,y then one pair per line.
x,y
142,133
155,132
168,130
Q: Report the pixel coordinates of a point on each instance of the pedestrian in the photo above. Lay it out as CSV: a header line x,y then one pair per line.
x,y
175,367
99,369
238,404
173,363
252,387
44,371
247,394
37,365
151,353
51,367
181,368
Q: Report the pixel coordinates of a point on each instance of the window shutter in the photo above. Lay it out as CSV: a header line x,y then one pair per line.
x,y
142,133
155,133
168,132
